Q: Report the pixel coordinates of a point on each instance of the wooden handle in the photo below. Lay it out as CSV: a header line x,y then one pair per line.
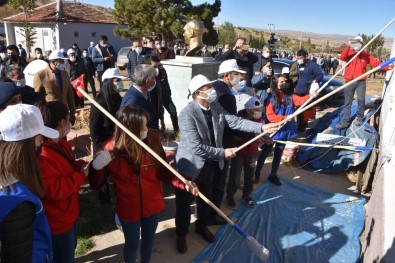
x,y
299,111
148,149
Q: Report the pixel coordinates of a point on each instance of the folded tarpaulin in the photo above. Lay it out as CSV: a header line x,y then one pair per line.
x,y
297,223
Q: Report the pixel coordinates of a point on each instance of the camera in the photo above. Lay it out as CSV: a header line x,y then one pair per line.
x,y
272,41
245,47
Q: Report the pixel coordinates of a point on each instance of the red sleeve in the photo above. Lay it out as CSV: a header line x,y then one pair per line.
x,y
96,178
299,100
347,54
59,183
375,62
271,114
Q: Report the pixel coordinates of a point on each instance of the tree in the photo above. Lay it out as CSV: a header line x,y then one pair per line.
x,y
163,19
226,34
376,47
27,31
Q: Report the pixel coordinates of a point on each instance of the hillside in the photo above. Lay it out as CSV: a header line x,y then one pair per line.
x,y
7,10
316,38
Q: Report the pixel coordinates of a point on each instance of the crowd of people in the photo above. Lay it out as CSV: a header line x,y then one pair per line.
x,y
40,177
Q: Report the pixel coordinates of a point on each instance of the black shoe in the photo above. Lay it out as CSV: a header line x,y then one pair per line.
x,y
275,180
341,126
358,122
181,243
230,201
205,233
249,202
216,220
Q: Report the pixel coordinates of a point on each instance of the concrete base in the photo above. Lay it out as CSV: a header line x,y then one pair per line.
x,y
180,71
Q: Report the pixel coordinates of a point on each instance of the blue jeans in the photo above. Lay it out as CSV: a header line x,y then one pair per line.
x,y
237,164
266,150
360,88
63,245
131,232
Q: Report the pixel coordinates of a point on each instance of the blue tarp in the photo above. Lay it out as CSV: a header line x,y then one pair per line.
x,y
335,160
297,223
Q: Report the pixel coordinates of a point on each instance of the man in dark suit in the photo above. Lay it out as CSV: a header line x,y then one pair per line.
x,y
144,79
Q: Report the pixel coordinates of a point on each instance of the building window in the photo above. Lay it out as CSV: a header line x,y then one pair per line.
x,y
76,34
94,34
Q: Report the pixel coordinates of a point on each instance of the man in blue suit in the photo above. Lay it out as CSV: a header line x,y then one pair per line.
x,y
144,79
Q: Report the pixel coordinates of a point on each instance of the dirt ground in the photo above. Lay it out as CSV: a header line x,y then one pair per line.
x,y
108,247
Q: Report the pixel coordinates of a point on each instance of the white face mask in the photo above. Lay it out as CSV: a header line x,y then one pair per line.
x,y
21,82
73,59
256,115
157,71
119,86
67,130
60,66
85,54
211,95
235,80
39,55
152,86
266,55
300,61
357,46
143,135
138,50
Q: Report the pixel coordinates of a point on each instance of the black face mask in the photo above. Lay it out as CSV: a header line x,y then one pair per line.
x,y
286,88
39,149
14,57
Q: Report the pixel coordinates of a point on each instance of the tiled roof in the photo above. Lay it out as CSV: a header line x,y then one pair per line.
x,y
72,12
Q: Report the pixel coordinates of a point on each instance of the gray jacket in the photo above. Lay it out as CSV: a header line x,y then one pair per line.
x,y
194,148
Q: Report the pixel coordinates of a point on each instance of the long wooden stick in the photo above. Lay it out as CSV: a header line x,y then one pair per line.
x,y
148,149
289,117
352,148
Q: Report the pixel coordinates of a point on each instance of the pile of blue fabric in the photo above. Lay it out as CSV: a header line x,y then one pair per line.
x,y
297,223
328,160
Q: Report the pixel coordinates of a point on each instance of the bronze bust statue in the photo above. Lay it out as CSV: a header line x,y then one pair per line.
x,y
193,33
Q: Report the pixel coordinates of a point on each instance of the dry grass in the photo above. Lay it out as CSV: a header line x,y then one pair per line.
x,y
82,120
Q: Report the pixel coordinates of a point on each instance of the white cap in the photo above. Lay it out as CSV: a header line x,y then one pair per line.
x,y
91,43
112,73
229,66
358,38
70,51
252,103
57,54
21,121
285,70
197,82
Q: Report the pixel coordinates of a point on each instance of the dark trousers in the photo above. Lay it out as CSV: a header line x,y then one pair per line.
x,y
63,245
266,150
91,82
237,164
218,190
360,88
99,75
171,109
204,181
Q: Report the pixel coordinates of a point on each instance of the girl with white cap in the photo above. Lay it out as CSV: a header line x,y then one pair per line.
x,y
24,230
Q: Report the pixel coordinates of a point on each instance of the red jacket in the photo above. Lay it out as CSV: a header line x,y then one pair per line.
x,y
138,195
62,179
358,65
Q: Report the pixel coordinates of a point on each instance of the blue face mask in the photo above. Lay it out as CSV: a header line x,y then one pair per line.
x,y
152,87
242,86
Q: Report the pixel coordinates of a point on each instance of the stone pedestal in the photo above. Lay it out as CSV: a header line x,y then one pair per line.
x,y
180,71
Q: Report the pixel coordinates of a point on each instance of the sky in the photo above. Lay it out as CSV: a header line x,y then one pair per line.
x,y
344,17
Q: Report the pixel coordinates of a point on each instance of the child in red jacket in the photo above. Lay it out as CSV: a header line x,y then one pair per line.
x,y
63,177
137,178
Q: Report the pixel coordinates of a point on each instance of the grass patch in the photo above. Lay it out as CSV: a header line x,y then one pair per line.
x,y
83,246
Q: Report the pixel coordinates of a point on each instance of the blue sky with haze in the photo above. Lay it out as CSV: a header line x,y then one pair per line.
x,y
345,17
